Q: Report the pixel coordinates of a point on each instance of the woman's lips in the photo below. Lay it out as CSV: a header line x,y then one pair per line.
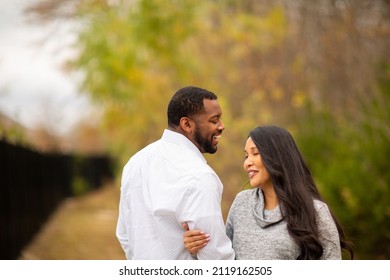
x,y
252,173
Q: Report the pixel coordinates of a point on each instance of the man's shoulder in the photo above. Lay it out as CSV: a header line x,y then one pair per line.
x,y
146,149
141,157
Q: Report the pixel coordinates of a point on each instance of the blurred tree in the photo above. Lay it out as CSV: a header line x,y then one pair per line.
x,y
11,131
45,140
344,126
319,68
87,139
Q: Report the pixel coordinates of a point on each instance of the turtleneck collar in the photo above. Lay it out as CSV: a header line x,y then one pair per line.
x,y
264,217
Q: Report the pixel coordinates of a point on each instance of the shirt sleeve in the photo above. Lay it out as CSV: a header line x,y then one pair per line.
x,y
121,231
202,210
329,236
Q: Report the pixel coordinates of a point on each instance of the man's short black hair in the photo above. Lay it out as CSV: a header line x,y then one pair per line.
x,y
187,102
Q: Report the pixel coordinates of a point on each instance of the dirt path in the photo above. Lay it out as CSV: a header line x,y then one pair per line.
x,y
82,228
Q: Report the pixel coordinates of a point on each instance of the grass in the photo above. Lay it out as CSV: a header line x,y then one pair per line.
x,y
82,228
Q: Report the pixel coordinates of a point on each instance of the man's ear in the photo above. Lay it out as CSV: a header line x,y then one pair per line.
x,y
186,124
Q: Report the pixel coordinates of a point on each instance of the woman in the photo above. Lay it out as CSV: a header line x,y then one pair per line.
x,y
284,215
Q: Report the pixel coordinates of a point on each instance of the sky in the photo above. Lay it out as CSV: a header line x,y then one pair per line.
x,y
33,88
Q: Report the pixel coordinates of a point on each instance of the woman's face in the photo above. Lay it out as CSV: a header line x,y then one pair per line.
x,y
253,165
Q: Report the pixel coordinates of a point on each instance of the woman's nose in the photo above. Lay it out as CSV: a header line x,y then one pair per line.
x,y
247,162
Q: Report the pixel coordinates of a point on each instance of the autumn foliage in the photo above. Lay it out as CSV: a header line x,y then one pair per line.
x,y
319,68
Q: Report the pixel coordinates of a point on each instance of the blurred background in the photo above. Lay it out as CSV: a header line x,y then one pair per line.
x,y
90,87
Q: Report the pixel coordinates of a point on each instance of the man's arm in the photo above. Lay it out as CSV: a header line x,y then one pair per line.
x,y
121,232
202,210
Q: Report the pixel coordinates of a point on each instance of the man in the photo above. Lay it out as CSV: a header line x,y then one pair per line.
x,y
169,183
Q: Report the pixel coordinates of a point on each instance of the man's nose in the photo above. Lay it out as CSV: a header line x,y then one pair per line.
x,y
221,125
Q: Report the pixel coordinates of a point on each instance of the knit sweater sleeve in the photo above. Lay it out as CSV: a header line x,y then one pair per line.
x,y
329,236
229,223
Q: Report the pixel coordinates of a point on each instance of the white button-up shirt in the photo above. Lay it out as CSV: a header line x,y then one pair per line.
x,y
163,185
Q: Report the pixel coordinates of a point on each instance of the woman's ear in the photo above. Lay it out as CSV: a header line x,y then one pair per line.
x,y
186,124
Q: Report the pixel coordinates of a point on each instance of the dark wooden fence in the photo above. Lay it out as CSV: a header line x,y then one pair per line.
x,y
33,184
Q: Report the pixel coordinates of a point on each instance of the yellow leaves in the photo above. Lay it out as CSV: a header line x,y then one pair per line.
x,y
277,94
276,23
145,51
134,76
298,64
239,51
256,32
349,198
255,109
298,99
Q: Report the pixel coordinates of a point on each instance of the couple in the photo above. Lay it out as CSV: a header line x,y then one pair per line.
x,y
168,188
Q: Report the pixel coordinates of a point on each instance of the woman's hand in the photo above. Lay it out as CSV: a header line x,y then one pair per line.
x,y
194,240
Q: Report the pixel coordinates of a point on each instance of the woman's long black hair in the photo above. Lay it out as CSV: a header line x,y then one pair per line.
x,y
295,188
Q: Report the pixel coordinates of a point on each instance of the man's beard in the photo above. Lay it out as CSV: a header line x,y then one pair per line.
x,y
204,143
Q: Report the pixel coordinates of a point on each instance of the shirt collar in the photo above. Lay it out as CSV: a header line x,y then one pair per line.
x,y
181,140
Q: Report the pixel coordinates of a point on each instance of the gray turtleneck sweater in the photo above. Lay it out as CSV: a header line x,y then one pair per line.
x,y
260,234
